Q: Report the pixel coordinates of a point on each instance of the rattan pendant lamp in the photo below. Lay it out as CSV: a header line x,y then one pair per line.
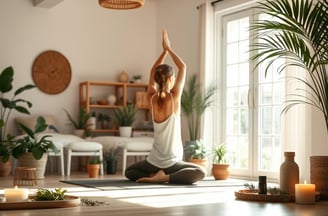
x,y
121,4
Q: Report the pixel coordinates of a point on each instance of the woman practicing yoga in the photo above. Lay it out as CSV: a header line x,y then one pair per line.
x,y
164,163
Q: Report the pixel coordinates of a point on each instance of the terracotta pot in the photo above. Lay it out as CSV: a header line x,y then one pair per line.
x,y
5,168
220,171
319,175
93,170
200,162
27,160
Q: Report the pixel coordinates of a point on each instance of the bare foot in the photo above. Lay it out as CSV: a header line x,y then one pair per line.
x,y
159,177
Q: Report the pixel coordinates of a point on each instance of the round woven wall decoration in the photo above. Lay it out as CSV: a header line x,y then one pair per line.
x,y
51,72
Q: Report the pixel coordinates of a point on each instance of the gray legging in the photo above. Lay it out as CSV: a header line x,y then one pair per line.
x,y
180,173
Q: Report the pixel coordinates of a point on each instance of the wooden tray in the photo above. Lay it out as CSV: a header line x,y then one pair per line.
x,y
254,196
70,201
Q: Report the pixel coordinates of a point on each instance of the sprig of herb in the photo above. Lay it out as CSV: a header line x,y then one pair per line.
x,y
88,202
250,186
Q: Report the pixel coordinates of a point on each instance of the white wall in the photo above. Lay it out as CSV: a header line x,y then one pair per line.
x,y
99,43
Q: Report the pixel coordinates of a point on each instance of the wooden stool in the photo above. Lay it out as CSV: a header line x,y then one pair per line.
x,y
25,176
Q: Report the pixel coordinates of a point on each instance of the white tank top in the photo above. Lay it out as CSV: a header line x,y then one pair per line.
x,y
167,148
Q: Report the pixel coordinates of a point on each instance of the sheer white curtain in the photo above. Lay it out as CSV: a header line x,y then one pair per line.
x,y
206,16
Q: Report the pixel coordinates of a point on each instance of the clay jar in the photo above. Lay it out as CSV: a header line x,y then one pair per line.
x,y
289,174
123,77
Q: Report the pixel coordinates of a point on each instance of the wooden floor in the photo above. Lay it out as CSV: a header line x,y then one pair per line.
x,y
176,202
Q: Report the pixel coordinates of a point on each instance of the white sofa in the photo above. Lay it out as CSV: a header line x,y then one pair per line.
x,y
131,146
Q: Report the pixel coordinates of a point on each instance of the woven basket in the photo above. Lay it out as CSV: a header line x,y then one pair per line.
x,y
121,5
319,175
254,196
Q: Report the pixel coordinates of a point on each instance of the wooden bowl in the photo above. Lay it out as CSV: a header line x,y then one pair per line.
x,y
102,102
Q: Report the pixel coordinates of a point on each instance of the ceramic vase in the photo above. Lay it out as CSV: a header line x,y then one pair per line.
x,y
111,99
92,121
289,174
123,77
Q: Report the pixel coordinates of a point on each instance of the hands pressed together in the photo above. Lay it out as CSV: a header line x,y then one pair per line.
x,y
165,41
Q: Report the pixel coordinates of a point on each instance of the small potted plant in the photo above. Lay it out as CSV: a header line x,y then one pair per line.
x,y
197,152
82,121
104,120
220,167
125,116
31,150
111,161
137,78
93,166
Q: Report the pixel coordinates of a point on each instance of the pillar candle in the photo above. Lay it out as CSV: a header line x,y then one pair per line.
x,y
16,194
305,193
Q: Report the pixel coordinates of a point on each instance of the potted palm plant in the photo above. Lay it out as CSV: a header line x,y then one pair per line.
x,y
299,34
193,105
197,152
125,116
31,150
81,123
8,105
220,167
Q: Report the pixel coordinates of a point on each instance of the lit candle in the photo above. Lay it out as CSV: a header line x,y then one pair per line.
x,y
305,193
16,194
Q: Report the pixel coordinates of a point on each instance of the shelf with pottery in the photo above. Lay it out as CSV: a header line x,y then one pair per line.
x,y
112,95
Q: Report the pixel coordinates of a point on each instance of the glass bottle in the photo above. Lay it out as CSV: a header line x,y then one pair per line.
x,y
289,174
262,189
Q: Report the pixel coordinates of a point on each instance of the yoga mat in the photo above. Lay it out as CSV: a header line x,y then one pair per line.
x,y
115,184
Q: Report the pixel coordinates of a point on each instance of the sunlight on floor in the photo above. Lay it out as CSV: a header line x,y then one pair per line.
x,y
163,197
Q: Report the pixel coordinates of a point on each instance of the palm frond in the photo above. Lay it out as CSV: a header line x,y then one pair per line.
x,y
299,34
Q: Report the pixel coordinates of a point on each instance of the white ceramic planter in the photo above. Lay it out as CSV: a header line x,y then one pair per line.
x,y
125,131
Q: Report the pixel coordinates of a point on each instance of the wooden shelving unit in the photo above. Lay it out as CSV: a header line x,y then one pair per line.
x,y
122,92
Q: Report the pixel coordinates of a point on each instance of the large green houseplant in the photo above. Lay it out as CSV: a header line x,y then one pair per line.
x,y
194,102
33,147
7,106
299,33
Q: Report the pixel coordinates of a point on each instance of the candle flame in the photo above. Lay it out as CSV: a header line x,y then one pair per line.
x,y
304,181
15,187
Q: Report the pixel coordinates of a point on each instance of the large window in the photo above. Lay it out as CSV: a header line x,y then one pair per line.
x,y
251,102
